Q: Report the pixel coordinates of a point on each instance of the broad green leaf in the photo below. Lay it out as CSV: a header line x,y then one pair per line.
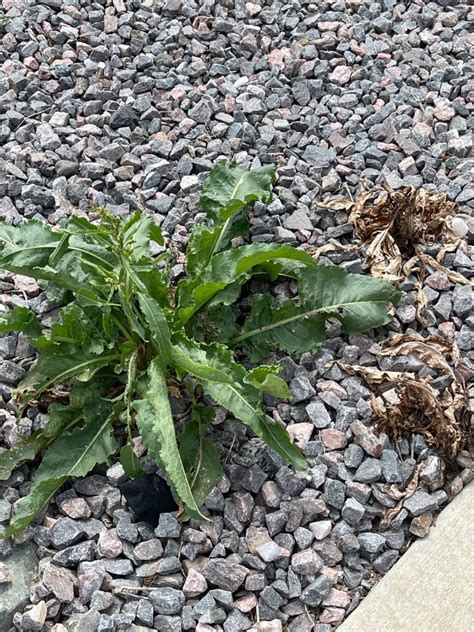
x,y
62,363
35,250
85,402
23,451
267,327
20,319
265,378
359,302
226,268
205,361
154,282
75,454
216,323
228,189
130,462
223,379
155,423
158,327
136,233
206,240
243,402
81,327
200,457
29,245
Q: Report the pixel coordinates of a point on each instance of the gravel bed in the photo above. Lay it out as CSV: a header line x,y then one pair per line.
x,y
127,104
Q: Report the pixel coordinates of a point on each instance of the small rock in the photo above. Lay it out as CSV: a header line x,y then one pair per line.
x,y
75,508
168,527
306,562
60,582
420,525
333,439
365,437
224,574
270,551
369,471
65,532
194,585
419,503
110,546
334,493
34,618
316,592
371,542
384,562
353,511
340,75
320,529
148,550
167,600
318,414
301,389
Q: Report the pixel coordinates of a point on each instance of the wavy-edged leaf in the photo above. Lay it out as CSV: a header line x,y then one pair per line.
x,y
75,454
200,457
155,423
33,249
243,402
20,319
205,361
158,327
223,379
265,378
226,268
62,363
206,240
360,302
81,327
229,188
268,327
217,323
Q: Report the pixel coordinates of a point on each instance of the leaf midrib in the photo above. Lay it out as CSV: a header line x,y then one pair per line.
x,y
301,316
226,223
76,369
258,415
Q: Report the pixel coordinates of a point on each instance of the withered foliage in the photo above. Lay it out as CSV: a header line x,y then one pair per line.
x,y
405,403
400,496
395,226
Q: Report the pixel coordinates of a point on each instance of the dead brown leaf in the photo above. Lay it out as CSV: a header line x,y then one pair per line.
x,y
433,350
453,276
406,404
401,496
395,225
331,246
421,304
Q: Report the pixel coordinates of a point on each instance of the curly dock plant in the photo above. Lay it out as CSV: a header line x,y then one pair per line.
x,y
125,331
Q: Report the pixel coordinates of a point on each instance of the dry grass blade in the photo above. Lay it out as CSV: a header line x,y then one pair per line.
x,y
414,406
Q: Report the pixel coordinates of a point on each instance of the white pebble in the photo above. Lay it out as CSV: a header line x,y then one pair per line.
x,y
460,227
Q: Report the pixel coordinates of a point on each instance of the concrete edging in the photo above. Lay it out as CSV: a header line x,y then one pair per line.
x,y
431,588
